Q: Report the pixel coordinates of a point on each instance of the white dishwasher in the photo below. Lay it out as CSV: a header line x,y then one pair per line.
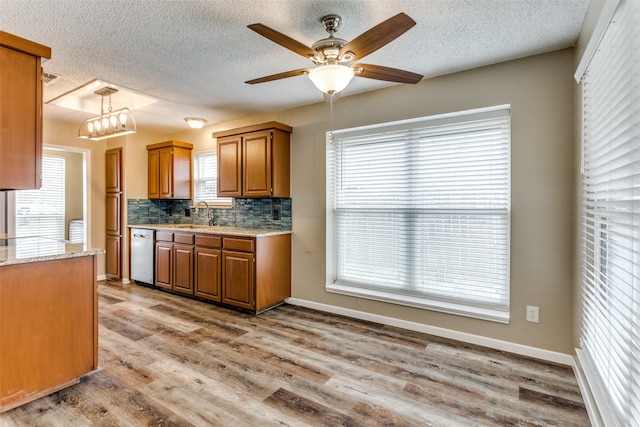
x,y
142,254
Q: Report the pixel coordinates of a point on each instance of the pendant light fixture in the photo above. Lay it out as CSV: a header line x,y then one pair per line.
x,y
108,124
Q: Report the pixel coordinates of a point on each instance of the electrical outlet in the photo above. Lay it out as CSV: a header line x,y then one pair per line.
x,y
533,314
276,215
187,212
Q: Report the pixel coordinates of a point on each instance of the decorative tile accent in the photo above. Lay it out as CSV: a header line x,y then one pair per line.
x,y
273,214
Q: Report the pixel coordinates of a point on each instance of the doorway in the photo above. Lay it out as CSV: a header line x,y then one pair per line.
x,y
69,212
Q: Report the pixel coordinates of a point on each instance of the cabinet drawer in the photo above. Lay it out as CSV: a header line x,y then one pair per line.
x,y
187,239
210,241
244,245
164,236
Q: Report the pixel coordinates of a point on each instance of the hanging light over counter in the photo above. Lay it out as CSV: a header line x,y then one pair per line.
x,y
108,124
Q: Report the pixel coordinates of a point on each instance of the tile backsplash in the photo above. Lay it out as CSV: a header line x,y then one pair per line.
x,y
273,213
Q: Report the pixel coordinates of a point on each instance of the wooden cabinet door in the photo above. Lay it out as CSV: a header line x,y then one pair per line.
x,y
229,166
238,279
113,165
20,120
112,258
165,178
113,214
207,273
164,265
154,174
183,268
256,164
113,203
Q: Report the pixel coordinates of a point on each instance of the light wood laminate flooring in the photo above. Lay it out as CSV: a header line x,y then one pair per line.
x,y
168,360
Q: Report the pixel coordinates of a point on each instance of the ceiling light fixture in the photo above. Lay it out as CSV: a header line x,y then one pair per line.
x,y
331,78
195,122
110,124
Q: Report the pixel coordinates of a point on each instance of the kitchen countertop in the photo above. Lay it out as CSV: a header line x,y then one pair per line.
x,y
213,229
21,250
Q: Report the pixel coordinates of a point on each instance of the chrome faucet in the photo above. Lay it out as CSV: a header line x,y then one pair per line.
x,y
197,204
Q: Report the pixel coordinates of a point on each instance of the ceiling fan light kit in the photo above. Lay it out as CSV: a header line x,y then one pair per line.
x,y
110,124
332,55
331,78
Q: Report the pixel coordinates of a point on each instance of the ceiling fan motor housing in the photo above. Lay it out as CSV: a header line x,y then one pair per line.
x,y
329,48
331,23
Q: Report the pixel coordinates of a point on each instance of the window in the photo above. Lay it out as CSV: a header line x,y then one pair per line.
x,y
42,212
420,212
610,213
205,179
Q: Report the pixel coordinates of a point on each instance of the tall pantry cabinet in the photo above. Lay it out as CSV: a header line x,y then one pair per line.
x,y
20,112
113,202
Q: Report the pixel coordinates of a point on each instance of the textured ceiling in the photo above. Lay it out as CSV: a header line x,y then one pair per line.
x,y
194,56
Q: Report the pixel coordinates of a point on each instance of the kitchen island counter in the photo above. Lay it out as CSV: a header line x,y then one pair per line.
x,y
21,250
48,317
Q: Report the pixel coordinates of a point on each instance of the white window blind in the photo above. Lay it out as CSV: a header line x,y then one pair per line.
x,y
419,212
205,178
610,215
42,212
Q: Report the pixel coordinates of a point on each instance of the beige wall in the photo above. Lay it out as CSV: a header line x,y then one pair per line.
x,y
540,91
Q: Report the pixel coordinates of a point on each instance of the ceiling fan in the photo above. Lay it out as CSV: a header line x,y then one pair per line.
x,y
333,56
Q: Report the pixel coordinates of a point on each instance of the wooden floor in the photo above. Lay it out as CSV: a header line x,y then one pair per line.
x,y
166,360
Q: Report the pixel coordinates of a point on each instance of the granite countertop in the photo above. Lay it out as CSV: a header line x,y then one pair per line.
x,y
21,250
213,229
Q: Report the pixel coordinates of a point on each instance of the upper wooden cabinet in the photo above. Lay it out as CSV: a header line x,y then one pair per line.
x,y
20,112
254,161
113,168
170,168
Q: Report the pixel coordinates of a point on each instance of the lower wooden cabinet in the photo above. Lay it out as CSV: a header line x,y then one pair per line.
x,y
183,268
252,273
48,327
207,273
112,256
238,279
164,264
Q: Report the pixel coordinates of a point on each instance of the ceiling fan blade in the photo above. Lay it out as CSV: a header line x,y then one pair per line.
x,y
283,40
378,36
388,74
279,76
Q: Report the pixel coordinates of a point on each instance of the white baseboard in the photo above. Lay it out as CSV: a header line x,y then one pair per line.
x,y
589,399
125,281
524,350
102,277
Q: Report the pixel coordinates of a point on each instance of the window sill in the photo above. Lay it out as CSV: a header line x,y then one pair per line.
x,y
423,303
219,205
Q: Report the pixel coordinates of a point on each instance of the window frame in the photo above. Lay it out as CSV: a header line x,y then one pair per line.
x,y
451,306
212,201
